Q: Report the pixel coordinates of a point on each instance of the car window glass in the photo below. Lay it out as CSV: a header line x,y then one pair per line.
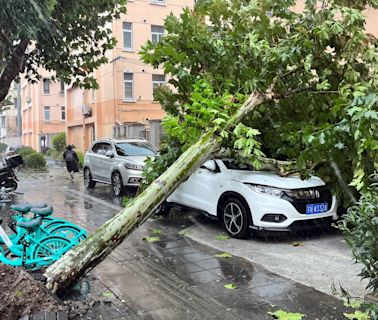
x,y
106,147
96,147
135,149
233,165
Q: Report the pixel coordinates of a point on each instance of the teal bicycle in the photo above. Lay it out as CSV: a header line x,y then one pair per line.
x,y
35,253
49,225
36,230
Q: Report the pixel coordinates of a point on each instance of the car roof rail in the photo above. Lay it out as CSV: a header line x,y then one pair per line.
x,y
136,138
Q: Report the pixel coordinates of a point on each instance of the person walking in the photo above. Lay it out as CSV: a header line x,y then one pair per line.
x,y
72,160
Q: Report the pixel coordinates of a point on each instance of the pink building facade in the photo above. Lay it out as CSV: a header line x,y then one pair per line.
x,y
43,111
123,106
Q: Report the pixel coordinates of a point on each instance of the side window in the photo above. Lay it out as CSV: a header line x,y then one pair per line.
x,y
107,147
97,148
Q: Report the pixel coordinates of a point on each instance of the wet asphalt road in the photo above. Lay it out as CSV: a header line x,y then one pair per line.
x,y
176,277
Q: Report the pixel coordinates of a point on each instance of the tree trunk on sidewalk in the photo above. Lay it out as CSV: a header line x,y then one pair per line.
x,y
92,251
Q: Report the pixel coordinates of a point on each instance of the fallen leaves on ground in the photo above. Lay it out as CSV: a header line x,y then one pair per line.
x,y
230,286
184,233
221,237
108,294
151,239
297,244
223,255
283,315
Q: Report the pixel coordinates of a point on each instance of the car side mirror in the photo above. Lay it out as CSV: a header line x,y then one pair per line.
x,y
109,154
210,165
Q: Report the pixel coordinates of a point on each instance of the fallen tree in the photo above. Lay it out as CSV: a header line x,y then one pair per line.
x,y
290,66
113,232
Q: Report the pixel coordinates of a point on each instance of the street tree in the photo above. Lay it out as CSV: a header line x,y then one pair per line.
x,y
254,80
67,37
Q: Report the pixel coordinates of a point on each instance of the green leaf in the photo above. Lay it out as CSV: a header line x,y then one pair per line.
x,y
223,255
108,294
230,286
283,315
184,232
221,237
151,239
353,303
357,315
156,231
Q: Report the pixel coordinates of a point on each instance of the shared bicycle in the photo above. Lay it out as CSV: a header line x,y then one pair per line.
x,y
37,241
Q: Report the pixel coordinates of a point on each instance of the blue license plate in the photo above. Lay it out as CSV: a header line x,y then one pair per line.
x,y
315,208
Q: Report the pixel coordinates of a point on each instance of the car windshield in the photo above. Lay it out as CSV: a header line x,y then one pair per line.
x,y
234,165
135,149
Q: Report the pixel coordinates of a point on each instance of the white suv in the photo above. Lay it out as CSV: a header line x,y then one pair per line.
x,y
116,162
244,199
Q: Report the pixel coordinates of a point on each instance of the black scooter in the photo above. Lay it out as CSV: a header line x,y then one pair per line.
x,y
8,178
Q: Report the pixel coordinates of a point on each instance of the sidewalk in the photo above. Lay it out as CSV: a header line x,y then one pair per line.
x,y
175,277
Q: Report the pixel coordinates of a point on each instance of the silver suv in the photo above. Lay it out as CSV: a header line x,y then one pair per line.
x,y
116,162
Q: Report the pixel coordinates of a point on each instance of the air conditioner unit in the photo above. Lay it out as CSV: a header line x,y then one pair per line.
x,y
86,110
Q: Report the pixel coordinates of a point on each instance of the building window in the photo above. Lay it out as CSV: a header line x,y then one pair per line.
x,y
127,36
93,95
63,113
157,80
157,33
129,85
157,1
2,122
46,86
61,86
47,113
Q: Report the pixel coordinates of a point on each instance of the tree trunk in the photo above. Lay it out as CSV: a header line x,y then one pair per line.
x,y
93,250
13,68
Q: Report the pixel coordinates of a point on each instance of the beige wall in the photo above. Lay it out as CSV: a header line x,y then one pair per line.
x,y
109,107
33,101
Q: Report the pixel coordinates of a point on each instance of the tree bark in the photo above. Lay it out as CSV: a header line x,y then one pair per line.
x,y
93,250
13,68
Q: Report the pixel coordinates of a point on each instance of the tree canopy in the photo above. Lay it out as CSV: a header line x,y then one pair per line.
x,y
320,65
64,36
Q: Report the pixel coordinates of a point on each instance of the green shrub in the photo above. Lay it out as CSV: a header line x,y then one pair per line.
x,y
50,152
360,227
3,146
80,155
59,141
35,160
25,151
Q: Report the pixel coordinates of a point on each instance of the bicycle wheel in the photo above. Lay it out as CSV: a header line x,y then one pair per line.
x,y
69,232
51,246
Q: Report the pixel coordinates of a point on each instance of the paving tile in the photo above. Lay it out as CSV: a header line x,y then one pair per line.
x,y
278,291
195,257
209,264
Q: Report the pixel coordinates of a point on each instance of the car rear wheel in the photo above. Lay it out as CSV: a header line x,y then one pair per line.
x,y
88,182
117,184
235,217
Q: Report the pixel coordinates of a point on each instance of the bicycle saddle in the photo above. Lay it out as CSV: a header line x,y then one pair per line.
x,y
43,212
30,225
25,207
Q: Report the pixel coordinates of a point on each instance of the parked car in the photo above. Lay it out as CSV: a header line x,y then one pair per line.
x,y
116,162
244,199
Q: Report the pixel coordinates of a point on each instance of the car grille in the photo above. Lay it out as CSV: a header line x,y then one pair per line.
x,y
325,196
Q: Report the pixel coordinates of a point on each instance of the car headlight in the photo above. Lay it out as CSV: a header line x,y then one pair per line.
x,y
133,166
275,192
303,194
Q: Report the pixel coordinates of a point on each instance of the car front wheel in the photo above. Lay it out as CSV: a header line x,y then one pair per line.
x,y
117,184
88,182
235,217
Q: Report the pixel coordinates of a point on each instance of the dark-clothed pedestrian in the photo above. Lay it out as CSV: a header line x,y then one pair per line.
x,y
72,160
